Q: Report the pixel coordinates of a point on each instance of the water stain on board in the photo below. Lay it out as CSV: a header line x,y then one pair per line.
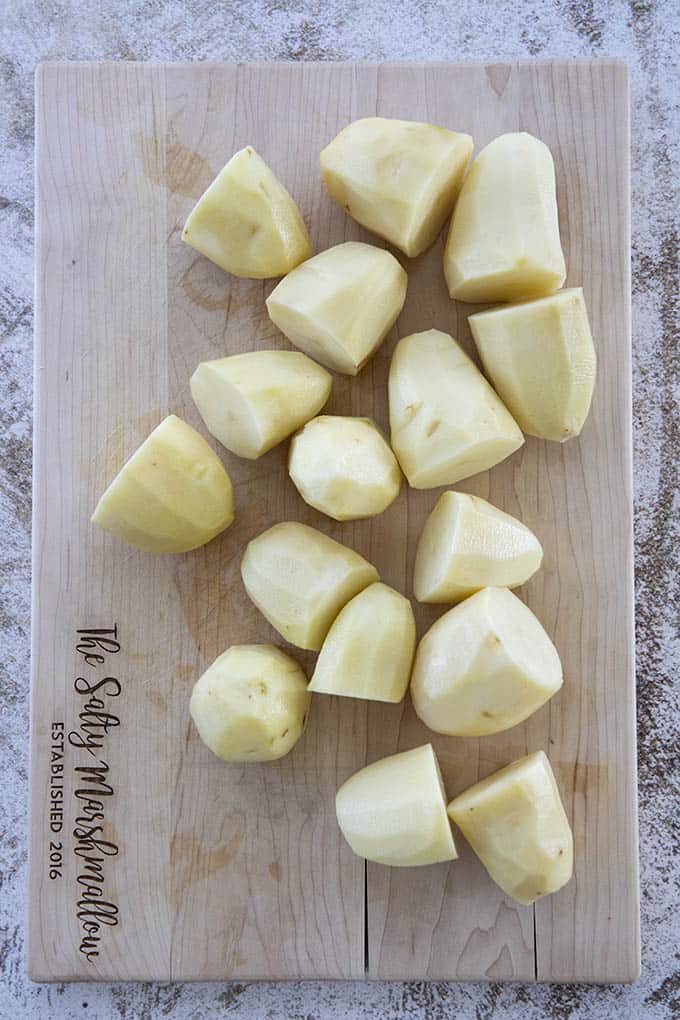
x,y
177,167
156,698
191,861
482,946
498,76
203,286
185,673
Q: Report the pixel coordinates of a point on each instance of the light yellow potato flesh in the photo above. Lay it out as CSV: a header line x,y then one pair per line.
x,y
515,823
171,496
484,666
446,421
368,652
468,544
300,579
250,402
398,178
504,239
251,704
339,306
394,811
540,357
247,223
343,467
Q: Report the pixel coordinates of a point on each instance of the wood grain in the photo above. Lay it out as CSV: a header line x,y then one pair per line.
x,y
229,872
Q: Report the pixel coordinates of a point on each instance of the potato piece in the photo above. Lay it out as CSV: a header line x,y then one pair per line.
x,y
504,241
446,421
484,666
468,544
250,402
343,467
300,579
541,359
251,704
394,811
368,652
247,223
339,306
398,178
515,823
171,496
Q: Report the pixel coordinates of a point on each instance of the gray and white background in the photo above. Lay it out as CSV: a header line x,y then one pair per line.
x,y
644,33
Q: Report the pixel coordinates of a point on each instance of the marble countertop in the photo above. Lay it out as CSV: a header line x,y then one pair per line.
x,y
644,33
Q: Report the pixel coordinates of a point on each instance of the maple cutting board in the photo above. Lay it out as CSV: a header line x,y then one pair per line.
x,y
150,858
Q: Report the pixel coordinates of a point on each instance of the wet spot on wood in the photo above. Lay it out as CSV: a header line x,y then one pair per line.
x,y
205,285
178,168
498,76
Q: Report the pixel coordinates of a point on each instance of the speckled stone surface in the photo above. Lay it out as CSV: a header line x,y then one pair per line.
x,y
647,36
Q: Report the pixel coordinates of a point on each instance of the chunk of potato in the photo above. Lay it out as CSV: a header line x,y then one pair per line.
x,y
398,178
171,496
484,666
394,811
468,544
250,402
504,240
343,467
515,823
339,306
300,579
247,223
540,357
368,652
446,421
251,704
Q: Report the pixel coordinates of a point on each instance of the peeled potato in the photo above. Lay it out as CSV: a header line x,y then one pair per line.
x,y
504,240
446,421
247,223
368,652
171,496
484,666
251,704
339,306
398,178
540,357
343,467
394,811
250,402
468,544
515,823
300,579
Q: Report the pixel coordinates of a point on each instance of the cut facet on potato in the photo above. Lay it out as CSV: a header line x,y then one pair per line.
x,y
368,652
171,496
468,544
251,704
339,306
300,579
515,823
398,178
540,357
484,666
446,421
504,240
343,467
247,223
394,811
250,402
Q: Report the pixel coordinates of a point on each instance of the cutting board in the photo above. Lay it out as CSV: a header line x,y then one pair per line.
x,y
150,858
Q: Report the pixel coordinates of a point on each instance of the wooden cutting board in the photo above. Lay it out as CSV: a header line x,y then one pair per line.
x,y
151,859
